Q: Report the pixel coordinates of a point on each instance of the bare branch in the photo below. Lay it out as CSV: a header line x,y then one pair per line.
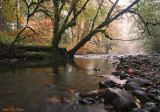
x,y
144,22
73,20
96,15
63,4
73,5
28,17
107,22
32,30
124,10
111,10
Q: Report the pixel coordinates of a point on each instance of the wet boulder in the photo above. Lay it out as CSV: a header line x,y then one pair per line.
x,y
132,86
107,83
120,86
89,93
141,95
120,99
87,101
141,82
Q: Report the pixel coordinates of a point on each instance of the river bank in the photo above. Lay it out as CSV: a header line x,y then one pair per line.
x,y
139,93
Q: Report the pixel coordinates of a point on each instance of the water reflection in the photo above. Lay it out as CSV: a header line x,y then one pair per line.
x,y
29,85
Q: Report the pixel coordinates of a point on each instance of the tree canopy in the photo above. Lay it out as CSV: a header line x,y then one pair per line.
x,y
82,19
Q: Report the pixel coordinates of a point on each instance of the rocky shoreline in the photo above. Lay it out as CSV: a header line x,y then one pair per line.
x,y
141,91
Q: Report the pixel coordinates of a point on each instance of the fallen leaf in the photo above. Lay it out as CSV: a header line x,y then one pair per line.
x,y
137,100
138,104
130,71
72,90
52,100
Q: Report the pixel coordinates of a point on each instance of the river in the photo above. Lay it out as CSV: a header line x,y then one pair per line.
x,y
38,86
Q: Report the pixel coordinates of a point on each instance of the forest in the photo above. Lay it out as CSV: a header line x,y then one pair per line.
x,y
68,27
80,55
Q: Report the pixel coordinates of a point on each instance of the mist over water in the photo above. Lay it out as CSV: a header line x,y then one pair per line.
x,y
128,47
127,32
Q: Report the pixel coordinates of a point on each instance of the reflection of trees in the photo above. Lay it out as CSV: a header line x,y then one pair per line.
x,y
57,64
8,67
61,64
84,63
39,65
90,63
64,73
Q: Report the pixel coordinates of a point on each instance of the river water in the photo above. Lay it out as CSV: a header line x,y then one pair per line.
x,y
38,86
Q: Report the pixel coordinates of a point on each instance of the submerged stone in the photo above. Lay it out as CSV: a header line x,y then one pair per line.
x,y
107,83
96,69
89,93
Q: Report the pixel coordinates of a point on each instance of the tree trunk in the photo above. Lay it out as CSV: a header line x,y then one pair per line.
x,y
82,42
56,36
1,18
0,24
4,24
99,28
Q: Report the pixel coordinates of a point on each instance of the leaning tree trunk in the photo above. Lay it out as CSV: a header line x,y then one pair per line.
x,y
107,21
82,42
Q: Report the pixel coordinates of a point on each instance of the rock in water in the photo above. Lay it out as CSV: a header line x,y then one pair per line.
x,y
141,95
107,83
90,93
96,69
121,100
87,101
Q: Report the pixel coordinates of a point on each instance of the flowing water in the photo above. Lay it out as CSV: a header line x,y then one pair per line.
x,y
38,86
